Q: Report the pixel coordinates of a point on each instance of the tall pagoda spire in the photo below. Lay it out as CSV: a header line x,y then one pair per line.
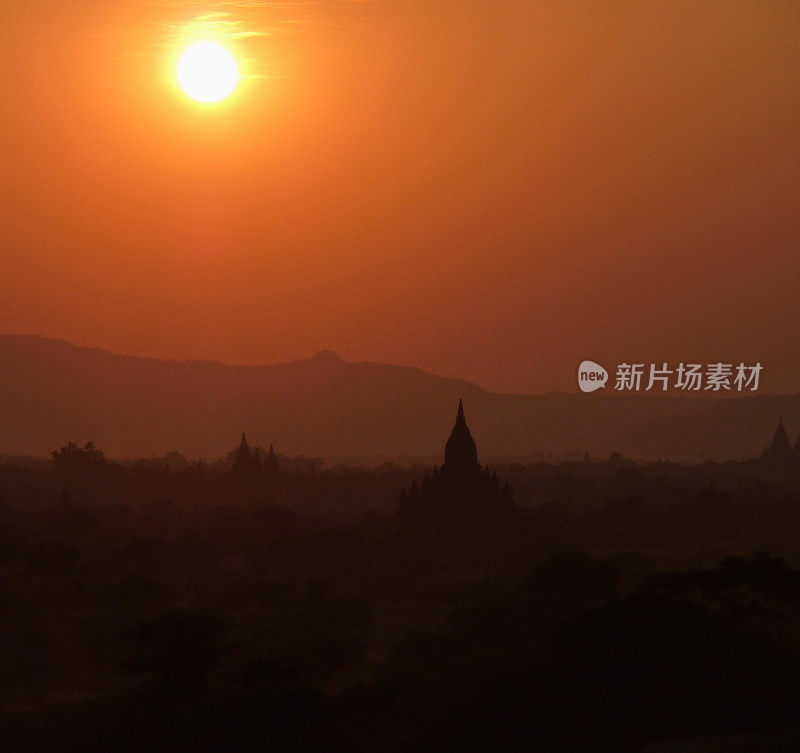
x,y
243,462
780,451
271,461
460,452
781,438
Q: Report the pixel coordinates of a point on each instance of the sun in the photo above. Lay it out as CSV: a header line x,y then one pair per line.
x,y
207,72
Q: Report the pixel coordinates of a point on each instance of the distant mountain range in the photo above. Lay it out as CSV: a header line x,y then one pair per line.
x,y
52,392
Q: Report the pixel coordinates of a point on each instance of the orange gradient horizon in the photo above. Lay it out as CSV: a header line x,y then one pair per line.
x,y
490,190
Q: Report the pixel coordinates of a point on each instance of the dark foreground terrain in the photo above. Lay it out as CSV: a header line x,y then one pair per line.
x,y
162,606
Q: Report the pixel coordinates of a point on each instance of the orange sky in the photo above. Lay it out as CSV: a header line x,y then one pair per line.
x,y
494,190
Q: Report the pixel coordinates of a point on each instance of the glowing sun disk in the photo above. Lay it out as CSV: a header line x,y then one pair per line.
x,y
207,72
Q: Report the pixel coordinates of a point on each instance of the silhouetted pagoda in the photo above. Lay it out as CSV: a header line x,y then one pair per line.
x,y
248,462
460,451
460,490
245,462
270,465
780,452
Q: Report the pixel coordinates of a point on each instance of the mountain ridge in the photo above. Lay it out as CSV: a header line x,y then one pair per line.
x,y
52,391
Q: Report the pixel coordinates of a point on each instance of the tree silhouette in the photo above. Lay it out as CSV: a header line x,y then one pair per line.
x,y
73,457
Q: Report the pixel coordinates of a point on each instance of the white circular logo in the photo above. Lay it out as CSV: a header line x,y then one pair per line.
x,y
591,376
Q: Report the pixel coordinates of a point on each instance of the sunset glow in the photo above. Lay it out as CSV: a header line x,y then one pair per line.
x,y
400,375
207,72
545,185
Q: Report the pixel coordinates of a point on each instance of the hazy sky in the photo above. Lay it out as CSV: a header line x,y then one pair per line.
x,y
494,190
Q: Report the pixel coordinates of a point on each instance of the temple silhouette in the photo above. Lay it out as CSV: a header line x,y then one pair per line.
x,y
460,451
460,490
780,453
247,462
